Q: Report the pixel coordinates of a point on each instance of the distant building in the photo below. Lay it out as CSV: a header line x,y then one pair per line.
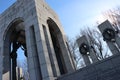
x,y
19,73
5,76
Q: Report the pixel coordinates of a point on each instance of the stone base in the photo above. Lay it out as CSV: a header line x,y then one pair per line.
x,y
107,69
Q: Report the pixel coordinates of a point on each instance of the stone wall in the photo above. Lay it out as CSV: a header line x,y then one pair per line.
x,y
107,69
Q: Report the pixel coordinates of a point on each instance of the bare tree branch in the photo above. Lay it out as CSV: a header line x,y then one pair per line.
x,y
95,40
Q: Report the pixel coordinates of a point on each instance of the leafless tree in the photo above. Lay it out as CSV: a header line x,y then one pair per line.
x,y
113,16
96,42
73,48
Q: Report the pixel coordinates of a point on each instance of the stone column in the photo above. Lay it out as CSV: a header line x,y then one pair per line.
x,y
33,58
6,65
86,59
118,41
71,56
93,55
51,52
45,64
110,36
65,53
84,49
1,59
113,48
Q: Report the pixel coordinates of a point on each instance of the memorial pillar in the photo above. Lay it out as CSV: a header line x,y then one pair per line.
x,y
110,36
84,49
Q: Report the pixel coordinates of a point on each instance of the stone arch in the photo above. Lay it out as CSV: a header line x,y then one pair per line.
x,y
15,26
57,40
11,26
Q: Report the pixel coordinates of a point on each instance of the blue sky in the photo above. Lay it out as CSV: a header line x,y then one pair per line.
x,y
75,14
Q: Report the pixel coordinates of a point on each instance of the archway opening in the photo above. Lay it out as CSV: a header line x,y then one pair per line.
x,y
55,33
14,41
